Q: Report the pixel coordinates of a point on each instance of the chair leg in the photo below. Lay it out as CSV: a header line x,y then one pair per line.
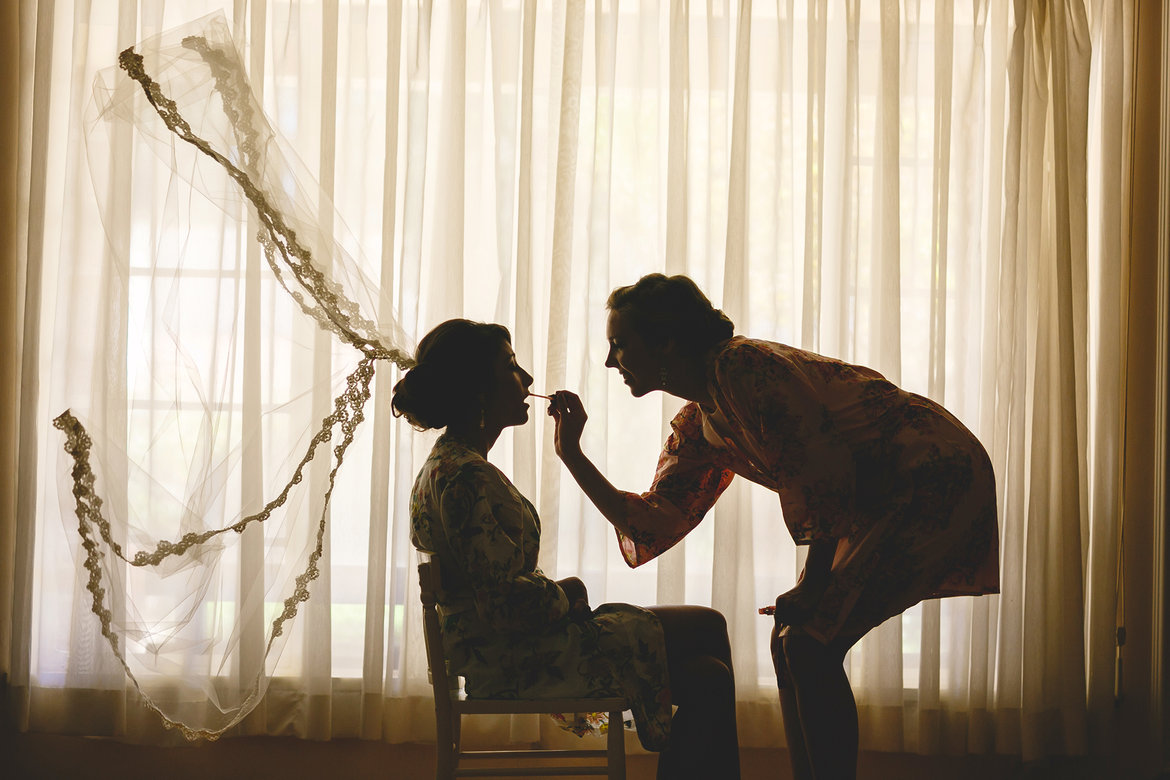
x,y
616,747
447,749
444,762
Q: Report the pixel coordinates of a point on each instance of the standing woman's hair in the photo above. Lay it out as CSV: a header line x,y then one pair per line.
x,y
452,376
664,308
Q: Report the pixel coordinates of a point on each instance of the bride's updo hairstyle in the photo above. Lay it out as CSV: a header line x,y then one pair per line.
x,y
664,308
452,376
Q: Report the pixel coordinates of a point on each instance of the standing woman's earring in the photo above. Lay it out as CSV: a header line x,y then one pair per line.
x,y
481,418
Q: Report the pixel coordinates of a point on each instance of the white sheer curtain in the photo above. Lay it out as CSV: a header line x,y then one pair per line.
x,y
933,189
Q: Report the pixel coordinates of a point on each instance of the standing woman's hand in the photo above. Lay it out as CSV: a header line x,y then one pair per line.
x,y
569,413
795,607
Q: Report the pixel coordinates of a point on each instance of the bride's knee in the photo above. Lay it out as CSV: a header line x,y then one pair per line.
x,y
691,618
690,631
703,679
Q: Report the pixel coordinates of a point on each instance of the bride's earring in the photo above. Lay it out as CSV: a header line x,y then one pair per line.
x,y
662,378
482,420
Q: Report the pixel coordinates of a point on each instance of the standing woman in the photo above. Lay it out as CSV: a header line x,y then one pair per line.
x,y
893,496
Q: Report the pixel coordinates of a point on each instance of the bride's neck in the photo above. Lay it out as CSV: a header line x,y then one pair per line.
x,y
473,437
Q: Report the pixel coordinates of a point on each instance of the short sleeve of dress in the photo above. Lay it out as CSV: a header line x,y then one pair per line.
x,y
687,482
507,593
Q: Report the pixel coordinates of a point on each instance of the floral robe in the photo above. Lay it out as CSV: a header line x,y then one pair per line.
x,y
506,627
907,491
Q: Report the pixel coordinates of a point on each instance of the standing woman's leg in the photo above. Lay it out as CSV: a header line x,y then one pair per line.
x,y
790,712
704,739
824,700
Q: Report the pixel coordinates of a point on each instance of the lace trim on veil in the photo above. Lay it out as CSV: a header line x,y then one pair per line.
x,y
317,295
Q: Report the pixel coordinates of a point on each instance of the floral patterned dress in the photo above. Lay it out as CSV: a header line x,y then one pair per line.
x,y
907,491
506,627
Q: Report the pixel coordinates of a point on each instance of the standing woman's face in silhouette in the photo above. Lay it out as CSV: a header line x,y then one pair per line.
x,y
638,364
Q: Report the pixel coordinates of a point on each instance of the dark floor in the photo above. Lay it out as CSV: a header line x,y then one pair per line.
x,y
255,758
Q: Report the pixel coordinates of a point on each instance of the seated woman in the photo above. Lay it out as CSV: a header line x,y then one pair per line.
x,y
509,630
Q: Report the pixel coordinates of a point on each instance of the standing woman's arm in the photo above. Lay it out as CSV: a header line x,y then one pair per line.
x,y
687,482
569,413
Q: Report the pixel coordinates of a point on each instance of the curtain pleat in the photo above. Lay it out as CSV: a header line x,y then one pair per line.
x,y
12,275
251,654
35,31
1113,26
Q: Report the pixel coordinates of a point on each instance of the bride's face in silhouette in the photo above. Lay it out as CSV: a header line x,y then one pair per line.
x,y
507,402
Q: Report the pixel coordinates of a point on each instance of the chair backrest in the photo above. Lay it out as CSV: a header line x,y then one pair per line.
x,y
443,683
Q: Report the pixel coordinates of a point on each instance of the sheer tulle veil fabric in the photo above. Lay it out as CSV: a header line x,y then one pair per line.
x,y
152,486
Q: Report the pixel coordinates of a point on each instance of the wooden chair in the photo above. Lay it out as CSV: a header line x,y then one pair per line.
x,y
451,704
